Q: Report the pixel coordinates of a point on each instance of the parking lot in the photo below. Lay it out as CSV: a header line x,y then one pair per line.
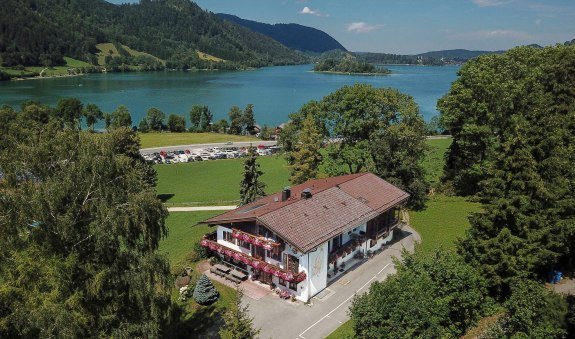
x,y
191,154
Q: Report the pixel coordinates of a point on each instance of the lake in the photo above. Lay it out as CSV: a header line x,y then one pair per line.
x,y
274,91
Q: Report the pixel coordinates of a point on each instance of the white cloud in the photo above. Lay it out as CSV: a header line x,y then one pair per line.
x,y
307,10
491,3
538,22
362,27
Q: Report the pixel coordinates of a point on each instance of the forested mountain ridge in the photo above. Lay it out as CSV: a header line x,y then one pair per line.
x,y
298,37
41,32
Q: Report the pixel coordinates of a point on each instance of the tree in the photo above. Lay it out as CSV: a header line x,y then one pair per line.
x,y
205,292
108,120
431,296
176,123
207,117
196,117
70,111
306,154
251,186
238,323
93,114
235,115
144,127
266,133
155,119
248,119
221,126
371,129
121,117
534,312
526,227
81,226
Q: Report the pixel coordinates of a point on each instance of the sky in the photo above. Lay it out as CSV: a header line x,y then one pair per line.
x,y
416,26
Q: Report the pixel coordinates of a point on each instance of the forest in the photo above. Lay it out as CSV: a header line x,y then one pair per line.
x,y
42,32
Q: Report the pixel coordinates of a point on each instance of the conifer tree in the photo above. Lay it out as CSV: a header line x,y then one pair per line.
x,y
305,155
251,186
238,323
205,292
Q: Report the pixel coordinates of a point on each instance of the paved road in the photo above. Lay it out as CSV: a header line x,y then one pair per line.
x,y
201,208
198,146
280,319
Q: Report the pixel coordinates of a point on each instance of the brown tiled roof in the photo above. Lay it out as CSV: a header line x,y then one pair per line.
x,y
337,204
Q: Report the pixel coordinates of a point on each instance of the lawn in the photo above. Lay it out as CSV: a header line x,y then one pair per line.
x,y
435,159
184,231
149,140
215,182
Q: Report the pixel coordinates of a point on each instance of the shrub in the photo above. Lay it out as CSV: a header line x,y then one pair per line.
x,y
205,292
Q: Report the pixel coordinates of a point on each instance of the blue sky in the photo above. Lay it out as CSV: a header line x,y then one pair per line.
x,y
416,26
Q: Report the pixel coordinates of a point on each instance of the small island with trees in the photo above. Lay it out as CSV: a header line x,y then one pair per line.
x,y
349,66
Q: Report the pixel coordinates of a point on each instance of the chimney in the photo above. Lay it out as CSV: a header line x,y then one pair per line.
x,y
286,193
306,194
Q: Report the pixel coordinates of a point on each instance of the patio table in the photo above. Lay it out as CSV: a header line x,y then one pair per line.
x,y
238,274
222,268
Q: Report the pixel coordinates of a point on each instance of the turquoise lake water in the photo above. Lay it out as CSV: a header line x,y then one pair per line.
x,y
274,91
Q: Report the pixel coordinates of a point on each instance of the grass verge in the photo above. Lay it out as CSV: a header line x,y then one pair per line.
x,y
149,140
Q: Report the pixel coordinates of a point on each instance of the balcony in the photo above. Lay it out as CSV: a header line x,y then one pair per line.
x,y
253,262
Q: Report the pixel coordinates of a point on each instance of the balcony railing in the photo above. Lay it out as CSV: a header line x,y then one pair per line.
x,y
253,262
346,248
252,239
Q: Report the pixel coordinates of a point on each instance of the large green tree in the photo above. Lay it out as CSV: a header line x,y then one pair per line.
x,y
155,119
235,115
435,295
92,114
70,111
369,129
80,226
251,187
176,123
527,175
120,117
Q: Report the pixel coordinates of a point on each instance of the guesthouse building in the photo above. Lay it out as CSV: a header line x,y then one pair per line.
x,y
302,237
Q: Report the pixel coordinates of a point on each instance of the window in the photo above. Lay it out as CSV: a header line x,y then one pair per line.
x,y
274,253
282,282
228,237
244,244
293,286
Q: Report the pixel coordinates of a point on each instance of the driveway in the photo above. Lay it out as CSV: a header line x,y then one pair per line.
x,y
279,318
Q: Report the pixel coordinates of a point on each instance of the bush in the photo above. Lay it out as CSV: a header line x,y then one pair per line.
x,y
205,292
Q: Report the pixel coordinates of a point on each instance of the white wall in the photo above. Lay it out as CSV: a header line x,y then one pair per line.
x,y
232,245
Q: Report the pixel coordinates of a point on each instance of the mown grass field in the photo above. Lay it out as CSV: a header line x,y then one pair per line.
x,y
149,140
215,182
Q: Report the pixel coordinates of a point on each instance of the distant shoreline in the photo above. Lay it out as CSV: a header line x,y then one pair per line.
x,y
37,77
351,73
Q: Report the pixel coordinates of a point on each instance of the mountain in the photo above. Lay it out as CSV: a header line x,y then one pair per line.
x,y
294,36
42,32
456,54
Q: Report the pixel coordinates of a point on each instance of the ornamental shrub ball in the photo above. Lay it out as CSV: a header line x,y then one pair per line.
x,y
205,292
